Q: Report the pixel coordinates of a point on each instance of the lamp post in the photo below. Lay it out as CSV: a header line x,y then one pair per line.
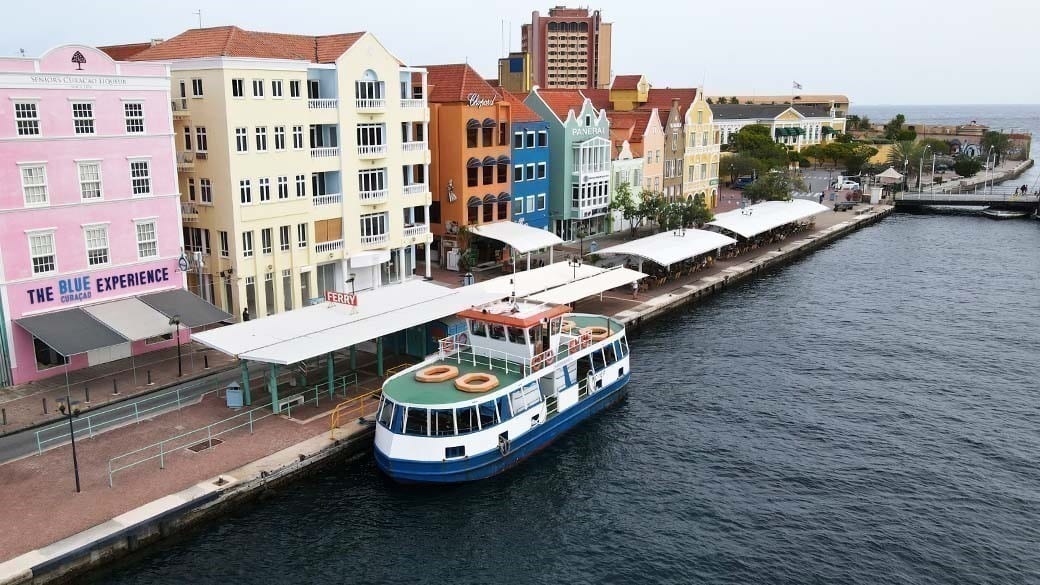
x,y
575,264
176,322
920,167
71,409
931,184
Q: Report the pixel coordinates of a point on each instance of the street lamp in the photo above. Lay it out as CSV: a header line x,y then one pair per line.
x,y
71,409
575,264
920,166
176,322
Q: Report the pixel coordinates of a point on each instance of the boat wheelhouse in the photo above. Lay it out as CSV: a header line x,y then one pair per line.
x,y
521,374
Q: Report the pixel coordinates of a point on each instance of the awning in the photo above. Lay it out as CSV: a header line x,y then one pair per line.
x,y
503,160
667,248
490,161
316,330
489,123
588,287
489,198
131,318
528,282
473,123
503,196
192,311
71,331
762,217
473,162
522,238
366,259
473,202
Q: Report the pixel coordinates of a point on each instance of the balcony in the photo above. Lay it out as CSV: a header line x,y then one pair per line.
x,y
371,151
371,105
593,169
326,199
414,189
413,146
415,231
189,212
325,152
373,197
185,161
180,108
329,246
413,103
323,104
374,241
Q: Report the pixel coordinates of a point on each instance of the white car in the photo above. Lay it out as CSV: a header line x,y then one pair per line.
x,y
843,185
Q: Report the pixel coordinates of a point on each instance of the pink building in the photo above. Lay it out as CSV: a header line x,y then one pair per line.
x,y
91,238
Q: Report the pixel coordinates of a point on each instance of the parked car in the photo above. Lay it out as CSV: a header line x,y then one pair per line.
x,y
743,182
845,184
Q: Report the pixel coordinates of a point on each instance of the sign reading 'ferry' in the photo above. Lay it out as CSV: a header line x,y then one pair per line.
x,y
476,101
82,288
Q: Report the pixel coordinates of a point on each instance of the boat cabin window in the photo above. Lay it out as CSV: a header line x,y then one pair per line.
x,y
609,354
496,331
525,398
554,326
416,422
516,335
504,412
466,418
624,346
478,328
597,360
442,422
488,414
386,413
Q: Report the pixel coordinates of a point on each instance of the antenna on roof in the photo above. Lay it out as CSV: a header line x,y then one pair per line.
x,y
199,14
21,52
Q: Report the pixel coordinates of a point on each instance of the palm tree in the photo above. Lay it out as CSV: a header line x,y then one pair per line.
x,y
905,157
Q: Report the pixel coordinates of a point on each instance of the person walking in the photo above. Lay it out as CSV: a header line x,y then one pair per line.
x,y
245,314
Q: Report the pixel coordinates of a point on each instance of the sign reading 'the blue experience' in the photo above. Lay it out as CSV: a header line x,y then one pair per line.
x,y
81,288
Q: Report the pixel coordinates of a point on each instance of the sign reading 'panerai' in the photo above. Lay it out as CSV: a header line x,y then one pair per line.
x,y
81,288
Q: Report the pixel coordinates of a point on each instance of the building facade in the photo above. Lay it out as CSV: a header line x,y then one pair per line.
x,y
529,151
303,164
569,48
514,72
839,103
626,169
674,152
793,126
702,154
579,148
89,203
471,170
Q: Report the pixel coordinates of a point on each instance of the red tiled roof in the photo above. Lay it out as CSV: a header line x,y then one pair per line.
x,y
520,111
600,98
626,82
454,83
662,99
562,101
124,52
231,41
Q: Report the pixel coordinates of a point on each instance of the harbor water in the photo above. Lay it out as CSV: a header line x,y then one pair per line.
x,y
868,414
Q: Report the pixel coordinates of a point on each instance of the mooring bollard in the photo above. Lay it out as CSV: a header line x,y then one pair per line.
x,y
150,378
44,405
86,394
115,388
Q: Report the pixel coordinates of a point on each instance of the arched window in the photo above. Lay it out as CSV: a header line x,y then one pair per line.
x,y
369,90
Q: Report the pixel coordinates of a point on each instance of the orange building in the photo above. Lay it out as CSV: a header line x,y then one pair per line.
x,y
469,158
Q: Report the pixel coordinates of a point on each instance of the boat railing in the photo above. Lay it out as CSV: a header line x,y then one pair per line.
x,y
457,347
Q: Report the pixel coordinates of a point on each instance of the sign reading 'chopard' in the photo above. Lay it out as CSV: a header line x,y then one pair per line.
x,y
476,101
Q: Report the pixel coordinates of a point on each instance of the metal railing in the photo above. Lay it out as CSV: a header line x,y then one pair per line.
x,y
161,449
987,196
339,414
457,347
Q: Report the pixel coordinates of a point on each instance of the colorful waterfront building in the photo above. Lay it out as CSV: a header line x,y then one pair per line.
x,y
530,159
90,213
625,169
579,148
794,126
701,154
303,163
470,134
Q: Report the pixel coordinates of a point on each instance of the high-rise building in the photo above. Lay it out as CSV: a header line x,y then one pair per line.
x,y
569,49
303,163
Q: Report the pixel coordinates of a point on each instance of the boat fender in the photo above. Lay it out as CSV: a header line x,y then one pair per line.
x,y
503,446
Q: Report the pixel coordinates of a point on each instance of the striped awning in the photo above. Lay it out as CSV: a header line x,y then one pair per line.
x,y
473,123
473,202
473,162
489,123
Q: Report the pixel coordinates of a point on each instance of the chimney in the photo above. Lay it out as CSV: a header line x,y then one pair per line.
x,y
155,42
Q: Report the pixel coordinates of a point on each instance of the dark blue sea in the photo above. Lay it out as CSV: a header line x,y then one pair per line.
x,y
869,415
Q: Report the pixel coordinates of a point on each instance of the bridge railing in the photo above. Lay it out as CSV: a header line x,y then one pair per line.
x,y
1011,196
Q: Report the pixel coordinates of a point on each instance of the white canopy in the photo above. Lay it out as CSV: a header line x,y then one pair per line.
x,y
668,248
522,238
528,282
586,287
305,333
762,217
890,175
131,318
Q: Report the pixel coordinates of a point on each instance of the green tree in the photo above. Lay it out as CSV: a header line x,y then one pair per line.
x,y
966,166
709,101
773,186
651,206
894,127
905,157
939,147
624,203
734,100
740,165
998,141
756,142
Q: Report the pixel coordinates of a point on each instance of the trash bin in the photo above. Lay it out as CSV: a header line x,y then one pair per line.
x,y
468,279
233,395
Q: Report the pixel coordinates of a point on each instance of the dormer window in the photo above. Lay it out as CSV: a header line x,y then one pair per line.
x,y
588,120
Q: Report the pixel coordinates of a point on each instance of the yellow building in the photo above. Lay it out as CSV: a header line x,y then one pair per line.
x,y
701,158
303,163
793,126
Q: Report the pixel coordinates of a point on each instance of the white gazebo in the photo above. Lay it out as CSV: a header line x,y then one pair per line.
x,y
523,239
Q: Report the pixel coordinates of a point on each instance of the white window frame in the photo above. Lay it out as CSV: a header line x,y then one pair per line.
x,y
53,251
205,191
201,140
241,140
245,192
283,188
541,201
266,241
276,89
263,188
297,138
258,89
87,107
372,222
517,135
284,238
301,235
541,171
279,138
22,167
247,244
241,83
87,228
80,165
530,203
146,178
138,224
261,138
26,125
301,185
131,120
298,86
225,246
529,172
196,87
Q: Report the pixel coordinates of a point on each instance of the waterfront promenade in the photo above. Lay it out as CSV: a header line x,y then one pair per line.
x,y
48,523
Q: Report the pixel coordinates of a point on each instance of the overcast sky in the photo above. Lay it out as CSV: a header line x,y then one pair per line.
x,y
879,52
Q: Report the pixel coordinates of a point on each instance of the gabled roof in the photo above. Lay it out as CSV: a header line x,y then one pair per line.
x,y
562,101
764,111
626,82
454,83
231,41
662,99
124,52
520,112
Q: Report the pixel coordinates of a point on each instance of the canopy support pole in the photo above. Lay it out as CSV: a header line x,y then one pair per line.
x,y
272,388
550,254
353,357
379,356
528,260
248,396
429,242
331,367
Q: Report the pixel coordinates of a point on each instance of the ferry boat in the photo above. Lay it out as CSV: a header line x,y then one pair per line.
x,y
521,374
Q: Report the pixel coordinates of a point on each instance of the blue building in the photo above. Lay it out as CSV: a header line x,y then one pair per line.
x,y
530,161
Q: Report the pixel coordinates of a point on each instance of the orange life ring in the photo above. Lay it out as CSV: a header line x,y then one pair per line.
x,y
567,325
596,332
440,373
476,382
574,345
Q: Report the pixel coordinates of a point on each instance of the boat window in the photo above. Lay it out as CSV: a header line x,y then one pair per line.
x,y
442,422
536,333
504,412
516,335
554,326
597,360
453,452
624,345
525,397
609,354
479,328
466,417
397,425
488,417
496,331
416,422
386,413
